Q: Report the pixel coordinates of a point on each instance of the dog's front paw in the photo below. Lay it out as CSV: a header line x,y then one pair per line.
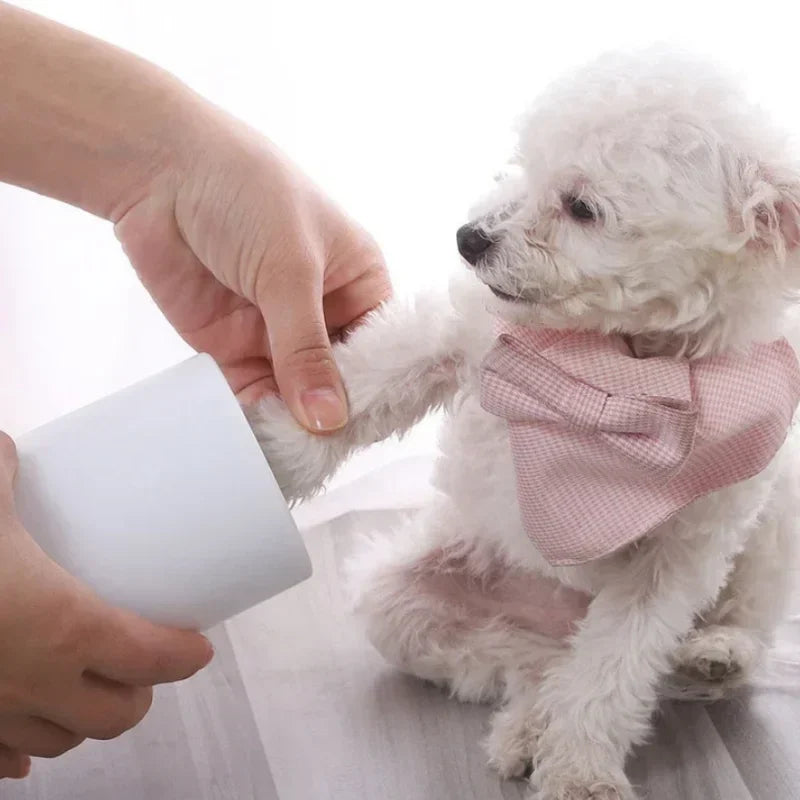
x,y
299,460
576,763
560,768
570,789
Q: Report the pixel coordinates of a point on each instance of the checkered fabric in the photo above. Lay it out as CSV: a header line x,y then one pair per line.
x,y
607,446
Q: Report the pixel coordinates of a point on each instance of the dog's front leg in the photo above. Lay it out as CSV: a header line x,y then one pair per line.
x,y
594,704
400,364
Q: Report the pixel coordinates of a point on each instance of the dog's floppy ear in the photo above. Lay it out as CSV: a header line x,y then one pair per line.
x,y
767,207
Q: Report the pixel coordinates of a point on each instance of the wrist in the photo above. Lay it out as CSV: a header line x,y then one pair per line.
x,y
160,152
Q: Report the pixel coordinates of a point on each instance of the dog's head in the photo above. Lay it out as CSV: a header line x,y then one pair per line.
x,y
650,199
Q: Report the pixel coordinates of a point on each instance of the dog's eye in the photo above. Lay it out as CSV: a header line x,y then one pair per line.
x,y
580,209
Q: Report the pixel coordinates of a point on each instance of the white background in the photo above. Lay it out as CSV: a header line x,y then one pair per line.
x,y
401,111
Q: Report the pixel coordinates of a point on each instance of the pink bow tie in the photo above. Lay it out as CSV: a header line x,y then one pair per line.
x,y
606,446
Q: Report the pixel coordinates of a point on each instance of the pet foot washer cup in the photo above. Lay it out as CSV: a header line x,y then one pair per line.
x,y
160,499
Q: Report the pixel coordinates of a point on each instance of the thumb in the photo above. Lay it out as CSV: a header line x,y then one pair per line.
x,y
128,649
305,369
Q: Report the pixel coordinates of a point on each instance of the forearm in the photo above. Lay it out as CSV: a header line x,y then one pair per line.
x,y
83,121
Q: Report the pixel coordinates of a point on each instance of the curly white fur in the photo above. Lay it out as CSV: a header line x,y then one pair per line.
x,y
693,250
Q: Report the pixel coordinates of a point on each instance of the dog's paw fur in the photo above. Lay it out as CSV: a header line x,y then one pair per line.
x,y
570,790
566,768
511,743
713,661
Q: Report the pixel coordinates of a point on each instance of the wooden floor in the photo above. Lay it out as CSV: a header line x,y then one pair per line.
x,y
296,706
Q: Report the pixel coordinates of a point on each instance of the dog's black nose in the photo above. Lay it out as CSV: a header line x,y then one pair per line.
x,y
472,243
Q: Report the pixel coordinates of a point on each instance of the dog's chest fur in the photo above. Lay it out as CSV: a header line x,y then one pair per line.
x,y
476,471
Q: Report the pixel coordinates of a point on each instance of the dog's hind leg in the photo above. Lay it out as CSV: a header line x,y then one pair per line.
x,y
437,609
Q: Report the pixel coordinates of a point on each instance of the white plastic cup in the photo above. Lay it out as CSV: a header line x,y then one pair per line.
x,y
160,499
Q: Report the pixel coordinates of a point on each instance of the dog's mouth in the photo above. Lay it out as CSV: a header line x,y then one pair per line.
x,y
532,297
510,298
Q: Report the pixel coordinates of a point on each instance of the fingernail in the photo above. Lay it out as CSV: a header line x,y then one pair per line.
x,y
325,409
211,651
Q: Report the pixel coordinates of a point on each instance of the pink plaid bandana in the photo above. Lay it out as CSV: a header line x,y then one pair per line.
x,y
607,446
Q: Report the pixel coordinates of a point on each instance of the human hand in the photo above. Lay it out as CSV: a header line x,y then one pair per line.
x,y
71,667
246,258
251,263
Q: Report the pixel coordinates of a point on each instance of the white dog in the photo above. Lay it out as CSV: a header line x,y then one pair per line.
x,y
656,210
